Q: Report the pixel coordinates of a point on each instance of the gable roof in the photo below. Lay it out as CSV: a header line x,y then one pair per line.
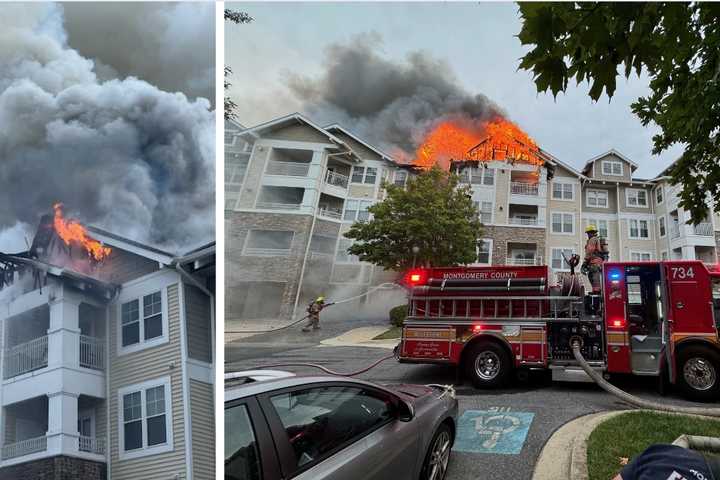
x,y
132,246
553,160
612,151
338,127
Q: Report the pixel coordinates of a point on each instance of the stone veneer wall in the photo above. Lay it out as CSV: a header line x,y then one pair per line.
x,y
501,236
56,468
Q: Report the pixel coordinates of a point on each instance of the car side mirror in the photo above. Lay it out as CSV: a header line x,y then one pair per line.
x,y
405,411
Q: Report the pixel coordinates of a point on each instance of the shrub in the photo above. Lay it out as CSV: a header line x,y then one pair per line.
x,y
397,315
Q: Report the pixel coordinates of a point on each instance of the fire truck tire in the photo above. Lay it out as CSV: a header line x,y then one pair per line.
x,y
487,364
438,454
698,373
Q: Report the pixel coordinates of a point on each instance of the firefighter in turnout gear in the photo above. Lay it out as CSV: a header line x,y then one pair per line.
x,y
596,252
313,311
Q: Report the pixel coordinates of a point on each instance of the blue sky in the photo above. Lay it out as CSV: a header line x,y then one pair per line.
x,y
479,43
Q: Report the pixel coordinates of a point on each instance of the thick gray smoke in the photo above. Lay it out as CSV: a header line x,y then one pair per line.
x,y
391,104
121,154
117,37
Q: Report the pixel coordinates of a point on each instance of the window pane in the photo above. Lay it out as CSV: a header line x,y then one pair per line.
x,y
152,304
371,175
155,401
357,174
130,334
567,223
156,430
328,417
568,191
153,327
556,222
270,240
489,177
241,450
133,435
130,311
617,168
132,406
557,190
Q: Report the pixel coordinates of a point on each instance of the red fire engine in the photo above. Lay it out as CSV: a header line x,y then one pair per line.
x,y
651,318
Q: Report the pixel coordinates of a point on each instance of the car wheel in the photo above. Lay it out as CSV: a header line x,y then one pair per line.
x,y
438,455
699,373
488,365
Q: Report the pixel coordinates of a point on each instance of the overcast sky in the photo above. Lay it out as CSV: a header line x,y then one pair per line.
x,y
479,44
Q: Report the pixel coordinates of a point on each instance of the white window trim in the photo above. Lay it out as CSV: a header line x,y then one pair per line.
x,y
357,212
627,197
136,292
595,190
638,237
145,450
641,252
477,251
562,223
596,221
492,210
622,168
404,183
660,234
659,188
563,269
364,175
280,253
562,199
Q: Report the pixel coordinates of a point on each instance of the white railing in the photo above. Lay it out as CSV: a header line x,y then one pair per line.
x,y
92,445
523,221
336,179
523,261
24,447
92,352
278,206
331,213
704,228
520,188
291,169
26,357
268,252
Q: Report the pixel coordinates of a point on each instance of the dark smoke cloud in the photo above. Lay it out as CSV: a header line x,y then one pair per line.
x,y
171,45
121,154
391,104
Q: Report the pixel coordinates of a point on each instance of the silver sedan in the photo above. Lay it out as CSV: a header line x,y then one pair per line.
x,y
281,426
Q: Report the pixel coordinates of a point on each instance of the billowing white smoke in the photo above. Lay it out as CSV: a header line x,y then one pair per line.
x,y
120,154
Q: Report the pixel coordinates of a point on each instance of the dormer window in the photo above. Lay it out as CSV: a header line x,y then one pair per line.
x,y
612,167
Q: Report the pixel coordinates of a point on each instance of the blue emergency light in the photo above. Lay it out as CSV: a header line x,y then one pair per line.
x,y
615,275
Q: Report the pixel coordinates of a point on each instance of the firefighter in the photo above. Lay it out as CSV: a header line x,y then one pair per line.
x,y
313,311
596,252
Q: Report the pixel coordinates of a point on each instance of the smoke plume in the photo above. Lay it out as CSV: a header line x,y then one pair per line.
x,y
391,104
120,154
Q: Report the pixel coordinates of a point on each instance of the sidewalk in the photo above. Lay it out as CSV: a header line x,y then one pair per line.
x,y
234,328
362,337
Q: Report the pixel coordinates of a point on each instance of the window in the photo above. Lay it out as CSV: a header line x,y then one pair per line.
x,y
242,458
356,210
661,226
639,229
563,191
400,178
601,225
484,251
328,418
366,175
612,167
597,198
479,176
640,256
323,244
486,211
636,197
558,263
145,412
563,223
137,328
342,254
269,242
659,194
488,177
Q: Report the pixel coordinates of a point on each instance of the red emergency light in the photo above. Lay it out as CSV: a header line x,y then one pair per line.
x,y
416,277
618,323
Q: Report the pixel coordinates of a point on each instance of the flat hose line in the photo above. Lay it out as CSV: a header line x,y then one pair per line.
x,y
632,399
325,369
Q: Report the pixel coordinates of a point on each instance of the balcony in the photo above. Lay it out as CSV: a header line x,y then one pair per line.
x,y
24,447
336,179
26,357
328,212
521,188
523,261
92,352
290,169
91,445
523,221
704,229
278,206
674,231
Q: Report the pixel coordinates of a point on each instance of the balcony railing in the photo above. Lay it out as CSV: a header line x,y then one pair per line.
x,y
267,252
291,169
92,445
92,352
333,213
674,231
26,357
278,206
704,229
523,220
336,179
523,261
24,447
520,188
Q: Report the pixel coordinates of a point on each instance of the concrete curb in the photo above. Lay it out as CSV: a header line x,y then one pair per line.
x,y
361,337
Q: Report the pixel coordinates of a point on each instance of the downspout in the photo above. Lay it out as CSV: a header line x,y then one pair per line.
x,y
652,200
620,222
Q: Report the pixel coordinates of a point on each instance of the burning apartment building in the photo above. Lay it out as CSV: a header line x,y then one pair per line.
x,y
107,365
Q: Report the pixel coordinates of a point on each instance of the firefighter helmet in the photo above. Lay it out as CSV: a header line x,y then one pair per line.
x,y
591,228
320,299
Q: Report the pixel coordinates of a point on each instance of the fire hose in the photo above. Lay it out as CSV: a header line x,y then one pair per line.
x,y
632,399
382,286
327,370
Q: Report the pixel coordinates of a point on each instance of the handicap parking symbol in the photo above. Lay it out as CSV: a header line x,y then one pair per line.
x,y
496,430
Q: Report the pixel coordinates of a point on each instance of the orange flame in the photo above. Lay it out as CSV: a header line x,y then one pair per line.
x,y
498,139
72,231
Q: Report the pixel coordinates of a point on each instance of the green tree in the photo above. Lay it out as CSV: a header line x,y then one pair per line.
x,y
235,17
676,44
432,213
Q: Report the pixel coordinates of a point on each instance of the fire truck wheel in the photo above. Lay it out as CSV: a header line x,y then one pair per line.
x,y
438,454
699,373
487,364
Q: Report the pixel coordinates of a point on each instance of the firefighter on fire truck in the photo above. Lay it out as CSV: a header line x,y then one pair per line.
x,y
596,252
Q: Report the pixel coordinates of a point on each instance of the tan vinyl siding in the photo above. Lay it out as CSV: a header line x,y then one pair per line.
x,y
623,199
123,266
361,190
298,133
360,150
203,430
595,170
197,314
502,193
137,367
612,199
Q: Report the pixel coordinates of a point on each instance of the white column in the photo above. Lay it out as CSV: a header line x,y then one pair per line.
x,y
62,431
688,252
64,332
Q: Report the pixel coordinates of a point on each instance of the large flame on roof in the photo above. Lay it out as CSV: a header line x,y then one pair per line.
x,y
72,232
497,139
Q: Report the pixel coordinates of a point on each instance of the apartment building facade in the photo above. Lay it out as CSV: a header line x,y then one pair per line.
x,y
107,369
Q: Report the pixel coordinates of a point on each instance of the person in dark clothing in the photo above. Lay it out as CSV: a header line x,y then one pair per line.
x,y
671,462
313,311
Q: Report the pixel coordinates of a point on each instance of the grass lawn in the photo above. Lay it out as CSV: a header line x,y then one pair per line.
x,y
393,332
627,435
